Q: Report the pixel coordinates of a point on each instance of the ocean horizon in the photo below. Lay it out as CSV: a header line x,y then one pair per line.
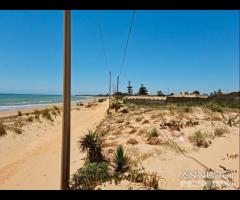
x,y
10,102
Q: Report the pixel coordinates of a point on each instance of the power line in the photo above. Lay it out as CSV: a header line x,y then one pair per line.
x,y
125,49
102,39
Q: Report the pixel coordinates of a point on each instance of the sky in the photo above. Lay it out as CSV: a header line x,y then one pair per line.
x,y
171,51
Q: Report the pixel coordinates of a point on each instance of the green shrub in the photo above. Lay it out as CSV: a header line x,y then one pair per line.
x,y
198,139
2,129
210,185
120,160
153,133
91,144
214,107
187,109
89,176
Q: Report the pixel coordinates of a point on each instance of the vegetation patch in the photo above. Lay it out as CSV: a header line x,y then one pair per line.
x,y
91,144
89,176
152,133
46,114
220,131
120,160
133,130
139,119
2,129
19,113
198,139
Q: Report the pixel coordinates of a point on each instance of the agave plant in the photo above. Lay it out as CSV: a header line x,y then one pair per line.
x,y
120,160
91,144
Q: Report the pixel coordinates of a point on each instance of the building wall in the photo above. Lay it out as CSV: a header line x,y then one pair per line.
x,y
185,99
165,101
144,101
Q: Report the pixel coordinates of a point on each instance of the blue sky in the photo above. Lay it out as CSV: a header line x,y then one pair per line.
x,y
168,50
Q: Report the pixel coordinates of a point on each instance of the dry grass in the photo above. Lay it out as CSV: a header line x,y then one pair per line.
x,y
117,132
109,144
46,114
139,119
120,121
2,129
134,130
127,123
154,141
218,132
17,130
145,121
141,132
19,113
30,119
132,141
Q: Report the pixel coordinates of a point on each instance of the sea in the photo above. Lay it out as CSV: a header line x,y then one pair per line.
x,y
9,102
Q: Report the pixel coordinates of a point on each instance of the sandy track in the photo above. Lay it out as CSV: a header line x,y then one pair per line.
x,y
34,161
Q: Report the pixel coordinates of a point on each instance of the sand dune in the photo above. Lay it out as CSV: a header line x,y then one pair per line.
x,y
32,160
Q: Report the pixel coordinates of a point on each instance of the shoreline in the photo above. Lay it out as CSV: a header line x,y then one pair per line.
x,y
9,113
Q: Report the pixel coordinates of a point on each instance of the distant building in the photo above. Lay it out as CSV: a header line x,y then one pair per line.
x,y
174,98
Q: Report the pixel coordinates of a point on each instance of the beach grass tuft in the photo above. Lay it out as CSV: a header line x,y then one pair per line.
x,y
2,129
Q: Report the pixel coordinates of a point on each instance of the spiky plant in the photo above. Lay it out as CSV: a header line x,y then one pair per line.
x,y
120,160
91,144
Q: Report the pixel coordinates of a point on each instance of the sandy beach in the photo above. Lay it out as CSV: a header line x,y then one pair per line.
x,y
31,160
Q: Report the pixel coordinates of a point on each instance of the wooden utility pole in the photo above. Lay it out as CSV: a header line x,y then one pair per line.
x,y
117,87
65,162
110,83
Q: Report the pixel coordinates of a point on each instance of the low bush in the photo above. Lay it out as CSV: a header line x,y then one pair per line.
x,y
89,176
152,133
214,107
198,139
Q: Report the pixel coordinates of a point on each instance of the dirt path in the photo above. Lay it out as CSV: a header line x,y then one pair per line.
x,y
35,163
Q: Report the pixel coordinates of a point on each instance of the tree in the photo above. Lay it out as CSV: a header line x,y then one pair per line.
x,y
159,93
130,91
143,90
219,91
196,92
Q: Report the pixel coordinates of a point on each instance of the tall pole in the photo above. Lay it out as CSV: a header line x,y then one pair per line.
x,y
110,83
117,87
65,162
